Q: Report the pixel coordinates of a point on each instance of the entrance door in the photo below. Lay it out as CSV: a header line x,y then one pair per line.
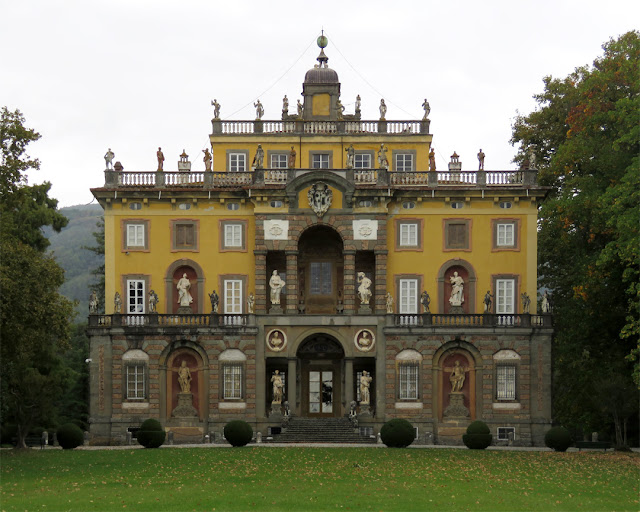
x,y
321,393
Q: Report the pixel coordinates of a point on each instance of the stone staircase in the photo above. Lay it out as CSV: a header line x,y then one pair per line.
x,y
320,430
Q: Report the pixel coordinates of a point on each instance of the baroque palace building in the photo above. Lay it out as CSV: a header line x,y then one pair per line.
x,y
319,266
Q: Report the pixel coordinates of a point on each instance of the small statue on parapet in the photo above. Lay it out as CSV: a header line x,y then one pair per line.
x,y
153,302
425,300
108,159
480,160
259,110
488,301
207,159
427,110
526,302
93,302
215,300
117,303
216,109
383,110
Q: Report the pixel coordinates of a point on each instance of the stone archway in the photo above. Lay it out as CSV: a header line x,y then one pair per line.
x,y
467,273
195,275
185,385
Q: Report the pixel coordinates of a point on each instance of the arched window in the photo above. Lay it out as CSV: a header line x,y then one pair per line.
x,y
135,364
408,374
233,362
506,367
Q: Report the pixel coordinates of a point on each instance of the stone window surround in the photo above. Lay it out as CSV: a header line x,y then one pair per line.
x,y
396,281
507,357
196,232
419,233
131,358
245,152
494,234
445,234
409,357
272,152
516,291
395,152
233,358
320,152
130,222
243,290
224,222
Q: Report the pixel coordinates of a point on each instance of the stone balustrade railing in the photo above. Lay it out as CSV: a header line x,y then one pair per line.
x,y
471,320
309,127
162,320
280,177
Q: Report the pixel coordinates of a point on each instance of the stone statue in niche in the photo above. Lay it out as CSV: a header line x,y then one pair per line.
x,y
184,378
160,157
117,303
320,197
425,300
276,284
364,288
153,302
457,377
258,160
383,163
365,385
216,109
292,158
108,159
526,302
457,290
427,110
389,303
480,160
351,156
278,386
93,302
383,110
215,301
183,286
259,110
207,159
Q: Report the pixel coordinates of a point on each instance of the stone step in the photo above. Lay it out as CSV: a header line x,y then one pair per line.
x,y
320,430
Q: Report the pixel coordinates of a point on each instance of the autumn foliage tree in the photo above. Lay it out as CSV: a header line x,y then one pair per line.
x,y
34,317
585,138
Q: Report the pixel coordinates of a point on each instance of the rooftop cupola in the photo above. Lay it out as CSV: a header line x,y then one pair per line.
x,y
321,88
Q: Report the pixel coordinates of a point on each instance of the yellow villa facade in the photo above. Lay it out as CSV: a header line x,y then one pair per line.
x,y
317,274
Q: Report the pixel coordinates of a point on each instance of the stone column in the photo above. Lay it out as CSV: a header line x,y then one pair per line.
x,y
380,295
348,382
262,304
291,385
292,282
349,275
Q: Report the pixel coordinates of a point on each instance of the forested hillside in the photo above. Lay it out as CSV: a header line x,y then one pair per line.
x,y
77,262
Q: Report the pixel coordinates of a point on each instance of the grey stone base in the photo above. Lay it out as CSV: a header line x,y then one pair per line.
x,y
185,408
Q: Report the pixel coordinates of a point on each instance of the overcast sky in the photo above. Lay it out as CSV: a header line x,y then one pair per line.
x,y
132,75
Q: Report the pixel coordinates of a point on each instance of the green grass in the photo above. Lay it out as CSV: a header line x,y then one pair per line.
x,y
264,478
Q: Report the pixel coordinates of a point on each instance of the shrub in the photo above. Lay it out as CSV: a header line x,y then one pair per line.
x,y
478,436
558,438
151,434
70,436
397,433
238,432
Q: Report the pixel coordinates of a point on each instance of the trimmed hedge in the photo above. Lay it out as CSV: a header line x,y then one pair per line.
x,y
238,432
397,433
70,436
558,438
151,434
478,436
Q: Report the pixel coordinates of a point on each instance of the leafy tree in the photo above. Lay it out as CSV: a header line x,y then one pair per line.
x,y
34,317
585,138
98,272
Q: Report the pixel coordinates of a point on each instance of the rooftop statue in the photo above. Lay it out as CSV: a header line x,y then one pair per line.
x,y
207,159
108,159
299,107
383,110
427,110
160,156
432,160
259,110
285,107
358,104
216,109
480,160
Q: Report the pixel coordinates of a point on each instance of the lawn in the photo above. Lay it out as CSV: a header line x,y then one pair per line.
x,y
267,478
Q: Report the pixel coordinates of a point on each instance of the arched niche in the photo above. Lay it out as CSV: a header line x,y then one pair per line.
x,y
468,274
195,275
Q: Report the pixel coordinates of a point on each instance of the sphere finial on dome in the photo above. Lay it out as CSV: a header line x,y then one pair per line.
x,y
322,40
322,43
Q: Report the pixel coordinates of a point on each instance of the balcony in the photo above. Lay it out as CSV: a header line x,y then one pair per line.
x,y
295,126
360,178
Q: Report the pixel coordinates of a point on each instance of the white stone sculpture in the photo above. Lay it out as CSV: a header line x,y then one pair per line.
x,y
389,303
207,159
108,158
457,290
117,303
383,110
153,301
320,197
184,378
364,290
457,377
546,303
93,302
258,160
216,109
365,384
183,286
259,109
383,163
480,160
427,109
285,106
278,386
351,156
276,284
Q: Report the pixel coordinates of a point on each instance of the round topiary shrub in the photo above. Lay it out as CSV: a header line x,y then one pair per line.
x,y
478,436
238,432
70,436
558,438
151,434
397,433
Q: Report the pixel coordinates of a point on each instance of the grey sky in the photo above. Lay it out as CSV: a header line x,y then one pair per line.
x,y
134,75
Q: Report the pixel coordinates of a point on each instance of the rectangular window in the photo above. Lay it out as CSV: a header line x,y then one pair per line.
x,y
279,161
505,432
135,235
408,235
362,161
404,162
135,382
233,235
233,297
505,296
506,382
232,381
505,235
320,160
408,387
321,278
135,296
457,234
237,162
185,235
408,302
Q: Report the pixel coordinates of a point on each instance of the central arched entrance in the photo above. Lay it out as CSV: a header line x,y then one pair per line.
x,y
321,357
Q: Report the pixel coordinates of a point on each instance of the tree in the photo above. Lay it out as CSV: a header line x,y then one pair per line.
x,y
586,140
34,317
98,272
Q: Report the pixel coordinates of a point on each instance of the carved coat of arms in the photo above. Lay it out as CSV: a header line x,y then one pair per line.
x,y
320,197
